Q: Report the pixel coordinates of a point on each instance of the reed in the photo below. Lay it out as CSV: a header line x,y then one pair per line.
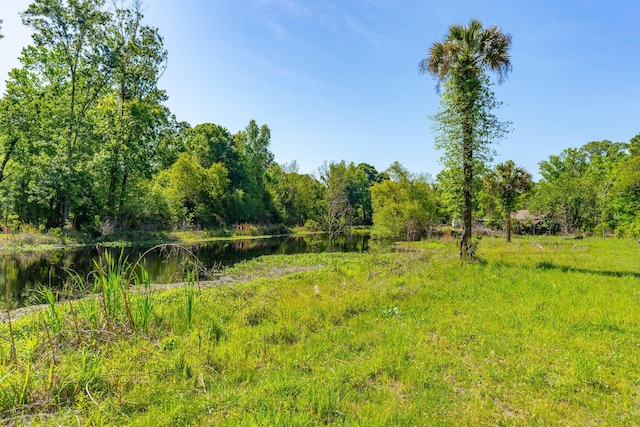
x,y
189,297
108,278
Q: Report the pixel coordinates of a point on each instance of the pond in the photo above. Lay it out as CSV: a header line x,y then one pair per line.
x,y
24,275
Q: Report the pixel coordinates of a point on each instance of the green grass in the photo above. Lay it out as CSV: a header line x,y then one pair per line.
x,y
544,331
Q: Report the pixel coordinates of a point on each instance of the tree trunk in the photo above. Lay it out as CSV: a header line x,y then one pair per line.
x,y
507,220
123,192
71,136
111,198
471,89
7,156
465,243
111,203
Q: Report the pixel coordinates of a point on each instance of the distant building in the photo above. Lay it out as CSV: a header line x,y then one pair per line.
x,y
527,222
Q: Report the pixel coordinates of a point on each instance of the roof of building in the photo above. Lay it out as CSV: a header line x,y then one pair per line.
x,y
524,215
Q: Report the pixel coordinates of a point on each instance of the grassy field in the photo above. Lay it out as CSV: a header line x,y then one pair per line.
x,y
543,331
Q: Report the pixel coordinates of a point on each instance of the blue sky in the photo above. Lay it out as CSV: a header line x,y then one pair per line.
x,y
338,79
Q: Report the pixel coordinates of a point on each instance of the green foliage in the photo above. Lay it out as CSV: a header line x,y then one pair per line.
x,y
85,110
564,193
484,125
71,49
131,114
210,143
622,202
253,202
297,198
88,148
577,187
404,207
347,195
337,210
193,194
450,191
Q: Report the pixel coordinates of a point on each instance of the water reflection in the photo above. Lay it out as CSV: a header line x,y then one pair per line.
x,y
25,274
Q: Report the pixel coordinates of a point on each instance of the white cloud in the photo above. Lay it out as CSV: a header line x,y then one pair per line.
x,y
331,16
359,29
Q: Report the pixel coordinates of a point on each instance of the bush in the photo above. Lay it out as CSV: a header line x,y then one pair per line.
x,y
245,229
404,209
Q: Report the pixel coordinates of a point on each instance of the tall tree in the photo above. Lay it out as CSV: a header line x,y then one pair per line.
x,y
461,61
334,177
72,33
133,114
364,176
32,111
564,193
347,196
507,181
252,144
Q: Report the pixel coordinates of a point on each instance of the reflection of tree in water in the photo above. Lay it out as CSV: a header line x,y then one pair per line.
x,y
247,245
27,273
348,243
315,244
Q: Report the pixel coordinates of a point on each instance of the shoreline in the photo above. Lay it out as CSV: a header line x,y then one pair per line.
x,y
223,280
20,247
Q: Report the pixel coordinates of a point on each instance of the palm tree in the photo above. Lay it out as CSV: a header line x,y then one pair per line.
x,y
463,58
507,181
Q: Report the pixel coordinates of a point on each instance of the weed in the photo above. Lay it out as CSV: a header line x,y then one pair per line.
x,y
392,312
216,330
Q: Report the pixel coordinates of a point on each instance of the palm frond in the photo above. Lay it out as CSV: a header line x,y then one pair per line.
x,y
484,48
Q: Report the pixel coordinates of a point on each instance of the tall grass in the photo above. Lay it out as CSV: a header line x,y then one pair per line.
x,y
144,301
189,297
111,281
53,316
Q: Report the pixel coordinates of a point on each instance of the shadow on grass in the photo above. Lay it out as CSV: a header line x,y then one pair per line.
x,y
546,265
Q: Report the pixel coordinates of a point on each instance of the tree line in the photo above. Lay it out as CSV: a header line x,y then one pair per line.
x,y
87,144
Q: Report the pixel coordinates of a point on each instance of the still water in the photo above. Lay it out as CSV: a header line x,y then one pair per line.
x,y
24,275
